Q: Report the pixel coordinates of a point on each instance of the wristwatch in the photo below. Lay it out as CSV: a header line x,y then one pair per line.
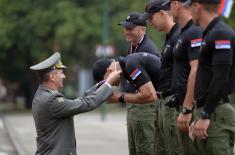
x,y
186,111
121,98
204,115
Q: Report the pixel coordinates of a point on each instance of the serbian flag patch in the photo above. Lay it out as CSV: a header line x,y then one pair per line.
x,y
135,73
222,44
225,8
196,42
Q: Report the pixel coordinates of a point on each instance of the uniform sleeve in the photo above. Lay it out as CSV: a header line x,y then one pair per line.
x,y
215,91
194,43
136,74
93,88
222,45
62,107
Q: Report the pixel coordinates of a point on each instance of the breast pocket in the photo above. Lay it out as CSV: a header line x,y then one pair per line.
x,y
68,151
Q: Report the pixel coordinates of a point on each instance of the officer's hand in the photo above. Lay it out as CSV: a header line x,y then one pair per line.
x,y
191,131
183,122
115,97
201,128
114,78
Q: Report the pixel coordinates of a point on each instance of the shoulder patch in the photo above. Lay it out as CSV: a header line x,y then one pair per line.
x,y
60,99
196,42
135,73
222,44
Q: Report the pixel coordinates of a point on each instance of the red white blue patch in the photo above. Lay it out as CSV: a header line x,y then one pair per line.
x,y
196,42
135,73
222,44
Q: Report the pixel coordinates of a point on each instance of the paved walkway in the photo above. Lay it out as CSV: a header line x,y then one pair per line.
x,y
6,147
94,137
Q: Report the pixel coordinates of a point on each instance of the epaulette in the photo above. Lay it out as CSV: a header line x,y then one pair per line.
x,y
53,91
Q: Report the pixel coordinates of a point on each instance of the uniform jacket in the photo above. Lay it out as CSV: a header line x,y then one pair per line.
x,y
53,117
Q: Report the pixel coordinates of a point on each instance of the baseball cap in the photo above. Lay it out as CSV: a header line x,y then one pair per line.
x,y
99,68
132,20
154,6
203,1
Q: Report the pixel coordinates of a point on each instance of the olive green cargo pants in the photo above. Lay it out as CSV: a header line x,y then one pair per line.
x,y
221,132
140,128
167,142
183,137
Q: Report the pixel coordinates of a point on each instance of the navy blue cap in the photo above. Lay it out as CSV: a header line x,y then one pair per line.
x,y
99,69
132,20
154,6
203,1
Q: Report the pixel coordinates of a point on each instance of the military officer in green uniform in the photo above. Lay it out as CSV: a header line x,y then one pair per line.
x,y
53,112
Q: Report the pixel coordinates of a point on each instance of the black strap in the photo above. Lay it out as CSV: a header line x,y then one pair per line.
x,y
164,94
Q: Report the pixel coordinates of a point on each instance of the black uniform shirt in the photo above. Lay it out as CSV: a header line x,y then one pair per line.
x,y
145,45
167,58
217,49
185,50
140,68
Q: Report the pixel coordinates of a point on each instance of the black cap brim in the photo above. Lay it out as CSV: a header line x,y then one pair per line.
x,y
127,24
145,16
188,2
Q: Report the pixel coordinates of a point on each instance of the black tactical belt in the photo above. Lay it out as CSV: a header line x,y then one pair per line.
x,y
164,94
223,100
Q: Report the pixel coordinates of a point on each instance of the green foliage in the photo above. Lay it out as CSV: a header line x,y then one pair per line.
x,y
31,30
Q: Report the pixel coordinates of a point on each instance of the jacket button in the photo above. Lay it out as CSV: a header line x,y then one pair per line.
x,y
71,153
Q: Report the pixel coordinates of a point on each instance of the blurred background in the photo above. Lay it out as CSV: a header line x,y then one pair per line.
x,y
83,31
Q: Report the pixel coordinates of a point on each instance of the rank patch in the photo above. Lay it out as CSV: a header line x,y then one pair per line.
x,y
60,99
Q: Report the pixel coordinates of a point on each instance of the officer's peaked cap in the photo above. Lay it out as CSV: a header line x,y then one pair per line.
x,y
51,63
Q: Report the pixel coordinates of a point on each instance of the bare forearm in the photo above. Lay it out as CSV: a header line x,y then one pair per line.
x,y
189,97
138,98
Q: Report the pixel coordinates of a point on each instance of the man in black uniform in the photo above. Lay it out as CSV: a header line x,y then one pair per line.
x,y
160,18
215,125
135,33
142,72
186,53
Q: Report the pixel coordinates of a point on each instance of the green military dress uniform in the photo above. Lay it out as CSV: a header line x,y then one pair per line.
x,y
53,112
